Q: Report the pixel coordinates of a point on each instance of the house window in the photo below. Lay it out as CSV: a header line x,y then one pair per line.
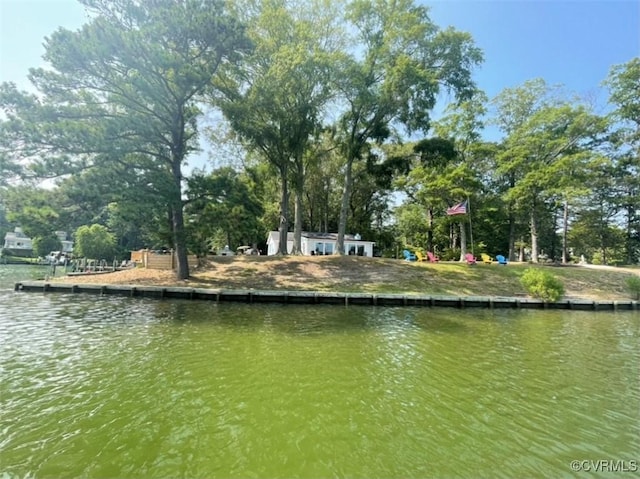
x,y
355,250
324,249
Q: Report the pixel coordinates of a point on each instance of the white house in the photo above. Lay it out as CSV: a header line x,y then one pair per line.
x,y
17,240
321,244
67,245
20,244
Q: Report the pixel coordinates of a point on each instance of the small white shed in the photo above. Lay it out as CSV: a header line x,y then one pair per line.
x,y
320,244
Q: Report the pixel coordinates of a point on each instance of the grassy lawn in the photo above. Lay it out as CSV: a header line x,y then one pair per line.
x,y
456,279
378,275
8,259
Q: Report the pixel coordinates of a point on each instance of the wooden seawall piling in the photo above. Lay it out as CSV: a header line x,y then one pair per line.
x,y
317,297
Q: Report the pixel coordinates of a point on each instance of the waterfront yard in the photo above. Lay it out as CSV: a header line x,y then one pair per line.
x,y
375,275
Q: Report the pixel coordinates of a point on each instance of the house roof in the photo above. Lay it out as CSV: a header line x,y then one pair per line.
x,y
275,236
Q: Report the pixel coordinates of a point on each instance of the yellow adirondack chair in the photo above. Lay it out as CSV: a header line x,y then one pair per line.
x,y
486,258
420,256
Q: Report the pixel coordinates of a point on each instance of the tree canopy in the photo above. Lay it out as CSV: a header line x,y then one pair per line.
x,y
125,89
330,105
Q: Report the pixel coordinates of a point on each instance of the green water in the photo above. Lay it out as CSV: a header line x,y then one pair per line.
x,y
134,388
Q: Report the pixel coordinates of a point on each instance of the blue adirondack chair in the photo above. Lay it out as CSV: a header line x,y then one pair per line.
x,y
409,256
501,259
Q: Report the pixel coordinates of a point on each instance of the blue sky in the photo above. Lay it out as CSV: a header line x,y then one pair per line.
x,y
23,26
573,43
569,42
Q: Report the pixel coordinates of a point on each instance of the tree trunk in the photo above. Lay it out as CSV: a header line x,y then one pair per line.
x,y
565,228
297,225
177,219
534,237
512,225
603,240
512,238
179,240
629,246
284,214
324,210
463,241
344,208
430,230
521,250
453,236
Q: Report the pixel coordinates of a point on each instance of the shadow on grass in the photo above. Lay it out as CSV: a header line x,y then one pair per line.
x,y
393,276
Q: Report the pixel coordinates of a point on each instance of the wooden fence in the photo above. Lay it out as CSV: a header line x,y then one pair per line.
x,y
151,260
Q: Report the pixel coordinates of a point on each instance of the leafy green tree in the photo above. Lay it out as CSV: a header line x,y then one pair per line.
x,y
595,235
453,174
10,168
43,245
474,160
222,202
36,210
399,65
463,123
623,81
265,185
137,226
94,242
371,195
4,224
128,82
275,100
546,150
127,200
489,213
322,195
411,228
434,181
514,106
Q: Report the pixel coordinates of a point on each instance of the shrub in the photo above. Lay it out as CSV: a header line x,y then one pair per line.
x,y
450,254
43,245
94,242
542,284
633,285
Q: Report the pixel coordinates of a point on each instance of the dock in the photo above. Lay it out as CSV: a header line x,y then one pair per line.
x,y
321,297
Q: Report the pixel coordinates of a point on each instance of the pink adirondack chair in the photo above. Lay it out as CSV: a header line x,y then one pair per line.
x,y
470,258
432,257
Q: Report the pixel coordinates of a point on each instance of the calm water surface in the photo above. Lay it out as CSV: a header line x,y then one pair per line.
x,y
136,388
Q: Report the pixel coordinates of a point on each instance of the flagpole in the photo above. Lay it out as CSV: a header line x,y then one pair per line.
x,y
470,227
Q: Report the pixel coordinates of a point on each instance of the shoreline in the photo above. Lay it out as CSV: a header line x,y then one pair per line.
x,y
320,297
359,275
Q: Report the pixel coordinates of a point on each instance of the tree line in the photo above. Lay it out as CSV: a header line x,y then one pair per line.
x,y
326,124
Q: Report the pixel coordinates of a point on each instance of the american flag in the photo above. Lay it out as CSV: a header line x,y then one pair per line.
x,y
459,209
